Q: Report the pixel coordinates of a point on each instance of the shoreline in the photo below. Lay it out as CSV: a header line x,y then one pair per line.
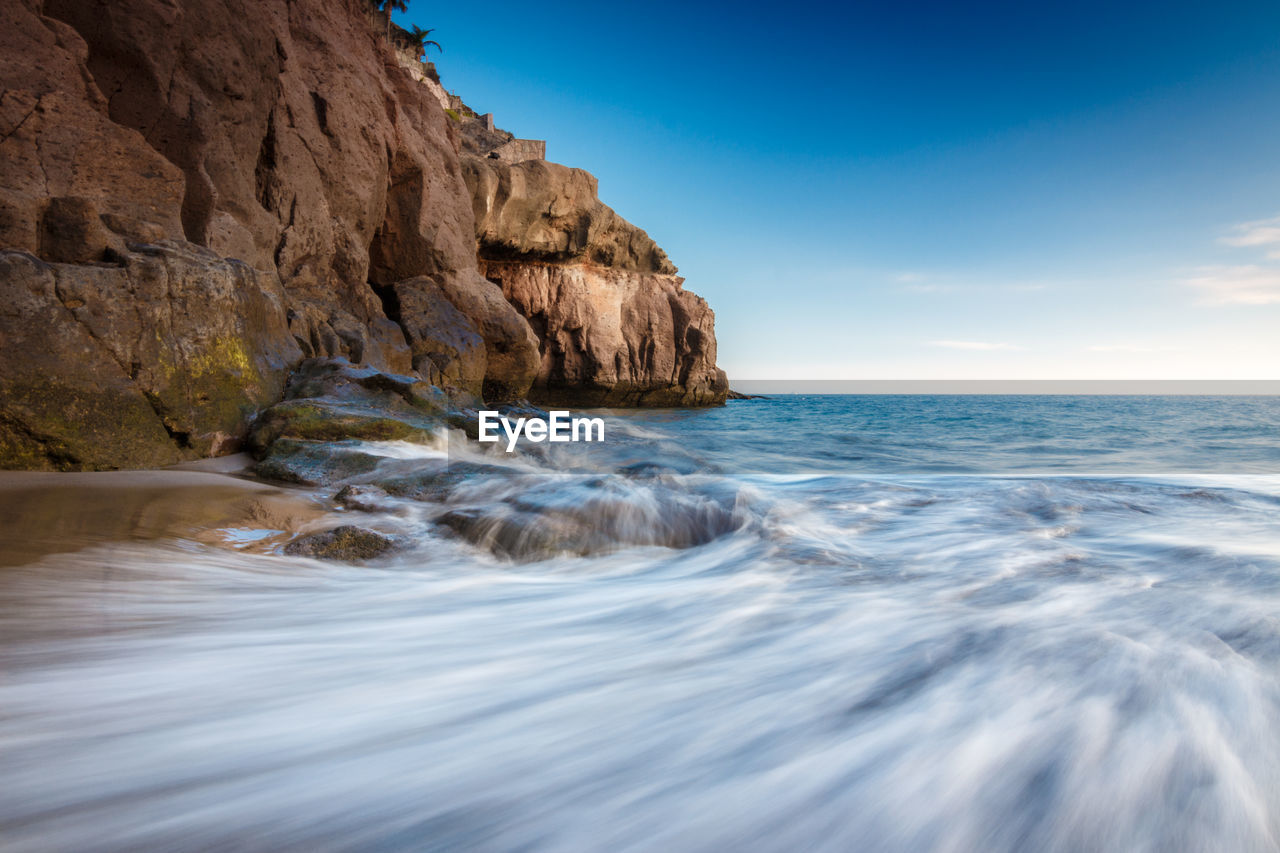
x,y
52,512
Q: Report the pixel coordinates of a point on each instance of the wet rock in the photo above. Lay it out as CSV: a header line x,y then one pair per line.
x,y
466,420
315,439
321,420
346,543
516,535
522,409
334,400
436,482
656,470
592,515
314,463
362,498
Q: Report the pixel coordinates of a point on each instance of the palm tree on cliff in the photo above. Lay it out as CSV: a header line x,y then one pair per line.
x,y
390,6
418,40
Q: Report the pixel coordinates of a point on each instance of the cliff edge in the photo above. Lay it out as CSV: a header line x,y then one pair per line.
x,y
615,324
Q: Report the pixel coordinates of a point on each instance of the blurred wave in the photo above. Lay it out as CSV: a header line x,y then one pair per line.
x,y
808,623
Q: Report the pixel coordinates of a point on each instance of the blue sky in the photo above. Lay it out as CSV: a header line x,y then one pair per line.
x,y
922,190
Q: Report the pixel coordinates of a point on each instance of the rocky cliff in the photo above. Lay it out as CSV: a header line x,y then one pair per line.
x,y
195,196
615,324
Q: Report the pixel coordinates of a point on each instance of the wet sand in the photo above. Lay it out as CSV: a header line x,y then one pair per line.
x,y
48,513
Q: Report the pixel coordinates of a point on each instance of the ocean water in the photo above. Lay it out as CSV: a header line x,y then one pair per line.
x,y
801,623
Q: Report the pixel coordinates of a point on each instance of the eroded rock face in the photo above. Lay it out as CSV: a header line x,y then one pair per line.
x,y
284,165
201,194
613,337
64,163
511,347
540,211
65,403
614,324
465,337
300,145
169,352
446,347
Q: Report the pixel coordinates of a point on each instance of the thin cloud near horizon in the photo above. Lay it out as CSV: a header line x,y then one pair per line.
x,y
1248,284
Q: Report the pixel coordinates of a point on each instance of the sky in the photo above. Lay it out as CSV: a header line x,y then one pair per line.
x,y
906,190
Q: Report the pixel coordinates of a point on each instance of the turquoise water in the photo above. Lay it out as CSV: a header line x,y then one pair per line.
x,y
823,623
888,434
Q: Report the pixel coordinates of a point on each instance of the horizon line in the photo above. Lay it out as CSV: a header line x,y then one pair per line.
x,y
1014,387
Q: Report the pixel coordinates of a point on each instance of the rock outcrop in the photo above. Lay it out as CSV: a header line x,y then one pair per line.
x,y
548,213
197,195
614,324
169,350
615,337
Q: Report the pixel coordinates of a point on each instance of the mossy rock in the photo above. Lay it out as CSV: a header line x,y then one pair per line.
x,y
317,420
54,426
314,463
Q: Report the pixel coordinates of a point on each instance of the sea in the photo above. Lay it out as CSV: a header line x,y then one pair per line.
x,y
806,622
